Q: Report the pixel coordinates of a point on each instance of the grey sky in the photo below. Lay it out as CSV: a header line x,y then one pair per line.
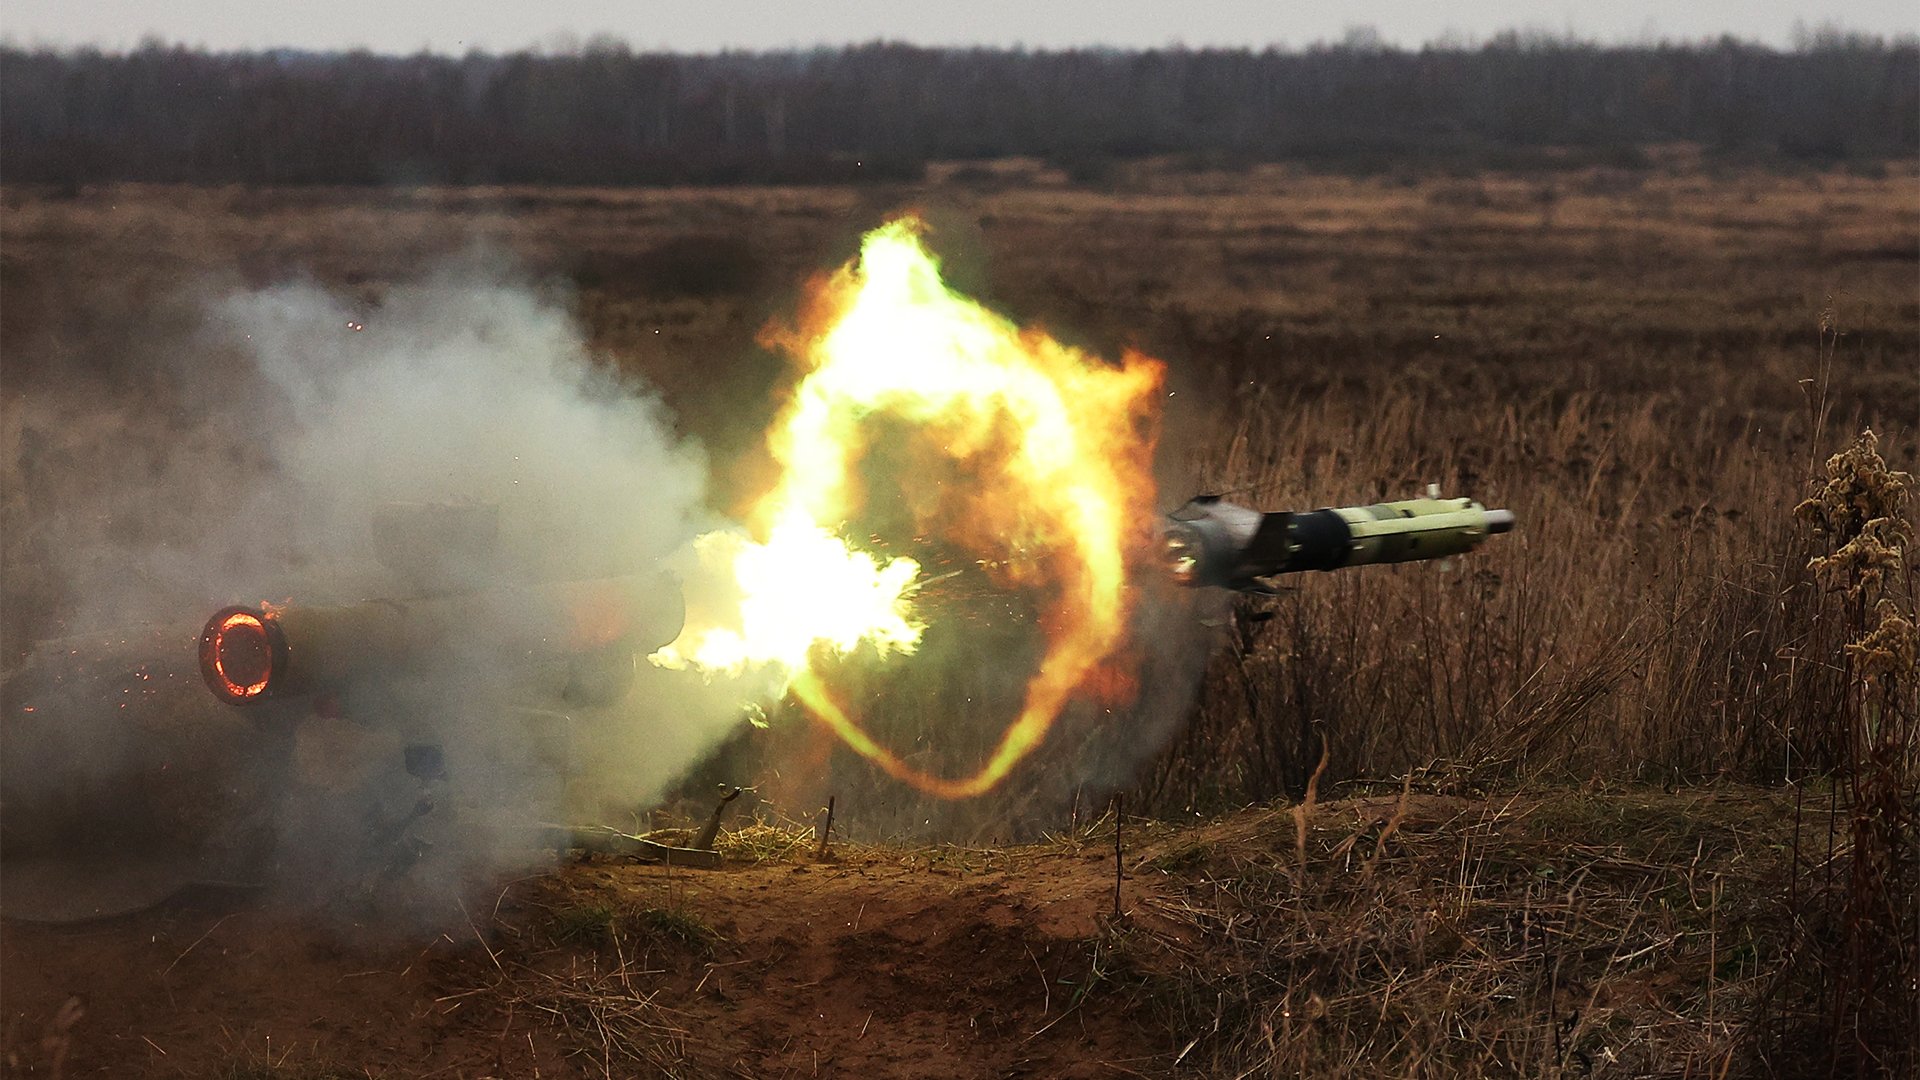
x,y
398,26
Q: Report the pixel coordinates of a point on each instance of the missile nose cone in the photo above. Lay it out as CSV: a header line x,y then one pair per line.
x,y
1499,521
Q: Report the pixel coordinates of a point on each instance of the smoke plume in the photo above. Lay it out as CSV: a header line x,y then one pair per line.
x,y
246,463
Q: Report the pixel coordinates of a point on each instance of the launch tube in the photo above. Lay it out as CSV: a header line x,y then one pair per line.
x,y
251,654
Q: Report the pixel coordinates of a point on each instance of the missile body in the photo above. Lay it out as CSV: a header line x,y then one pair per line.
x,y
1210,542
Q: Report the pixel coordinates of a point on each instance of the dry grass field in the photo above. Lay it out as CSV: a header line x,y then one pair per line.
x,y
1568,934
1623,359
1653,794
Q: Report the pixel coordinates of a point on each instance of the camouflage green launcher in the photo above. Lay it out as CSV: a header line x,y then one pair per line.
x,y
1210,542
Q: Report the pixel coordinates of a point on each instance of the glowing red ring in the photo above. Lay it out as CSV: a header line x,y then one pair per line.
x,y
241,654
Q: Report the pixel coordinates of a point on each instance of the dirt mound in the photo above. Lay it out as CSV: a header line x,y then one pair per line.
x,y
1572,933
942,962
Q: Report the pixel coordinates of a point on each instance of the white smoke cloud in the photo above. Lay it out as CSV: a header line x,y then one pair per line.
x,y
301,411
457,390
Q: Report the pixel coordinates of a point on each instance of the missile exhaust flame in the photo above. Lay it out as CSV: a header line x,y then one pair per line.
x,y
1056,448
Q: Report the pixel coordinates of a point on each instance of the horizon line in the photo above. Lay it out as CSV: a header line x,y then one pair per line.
x,y
1363,39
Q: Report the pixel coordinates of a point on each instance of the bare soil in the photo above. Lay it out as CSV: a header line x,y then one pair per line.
x,y
1594,933
882,963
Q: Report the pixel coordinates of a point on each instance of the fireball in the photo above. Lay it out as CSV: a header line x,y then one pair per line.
x,y
1053,448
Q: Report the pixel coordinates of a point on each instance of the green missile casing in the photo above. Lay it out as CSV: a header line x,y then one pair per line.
x,y
1414,529
1212,542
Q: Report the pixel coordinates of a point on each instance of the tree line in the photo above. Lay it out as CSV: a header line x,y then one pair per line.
x,y
605,115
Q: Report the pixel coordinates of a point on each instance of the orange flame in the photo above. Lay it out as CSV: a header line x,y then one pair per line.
x,y
1059,445
245,633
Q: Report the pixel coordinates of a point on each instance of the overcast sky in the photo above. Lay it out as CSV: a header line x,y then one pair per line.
x,y
447,26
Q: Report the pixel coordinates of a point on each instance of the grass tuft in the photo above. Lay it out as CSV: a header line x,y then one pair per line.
x,y
676,925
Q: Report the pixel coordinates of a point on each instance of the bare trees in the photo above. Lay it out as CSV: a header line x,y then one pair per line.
x,y
607,115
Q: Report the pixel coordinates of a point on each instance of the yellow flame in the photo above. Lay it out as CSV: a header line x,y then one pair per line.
x,y
1061,494
801,589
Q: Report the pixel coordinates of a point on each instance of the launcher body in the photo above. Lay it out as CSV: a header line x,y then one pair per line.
x,y
1210,542
452,717
575,642
342,743
460,617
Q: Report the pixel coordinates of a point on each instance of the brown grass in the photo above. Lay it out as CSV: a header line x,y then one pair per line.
x,y
1579,934
1649,371
1627,375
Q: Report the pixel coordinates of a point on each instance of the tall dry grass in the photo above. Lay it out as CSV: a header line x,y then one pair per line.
x,y
1561,934
1624,373
1637,626
1671,610
1850,999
